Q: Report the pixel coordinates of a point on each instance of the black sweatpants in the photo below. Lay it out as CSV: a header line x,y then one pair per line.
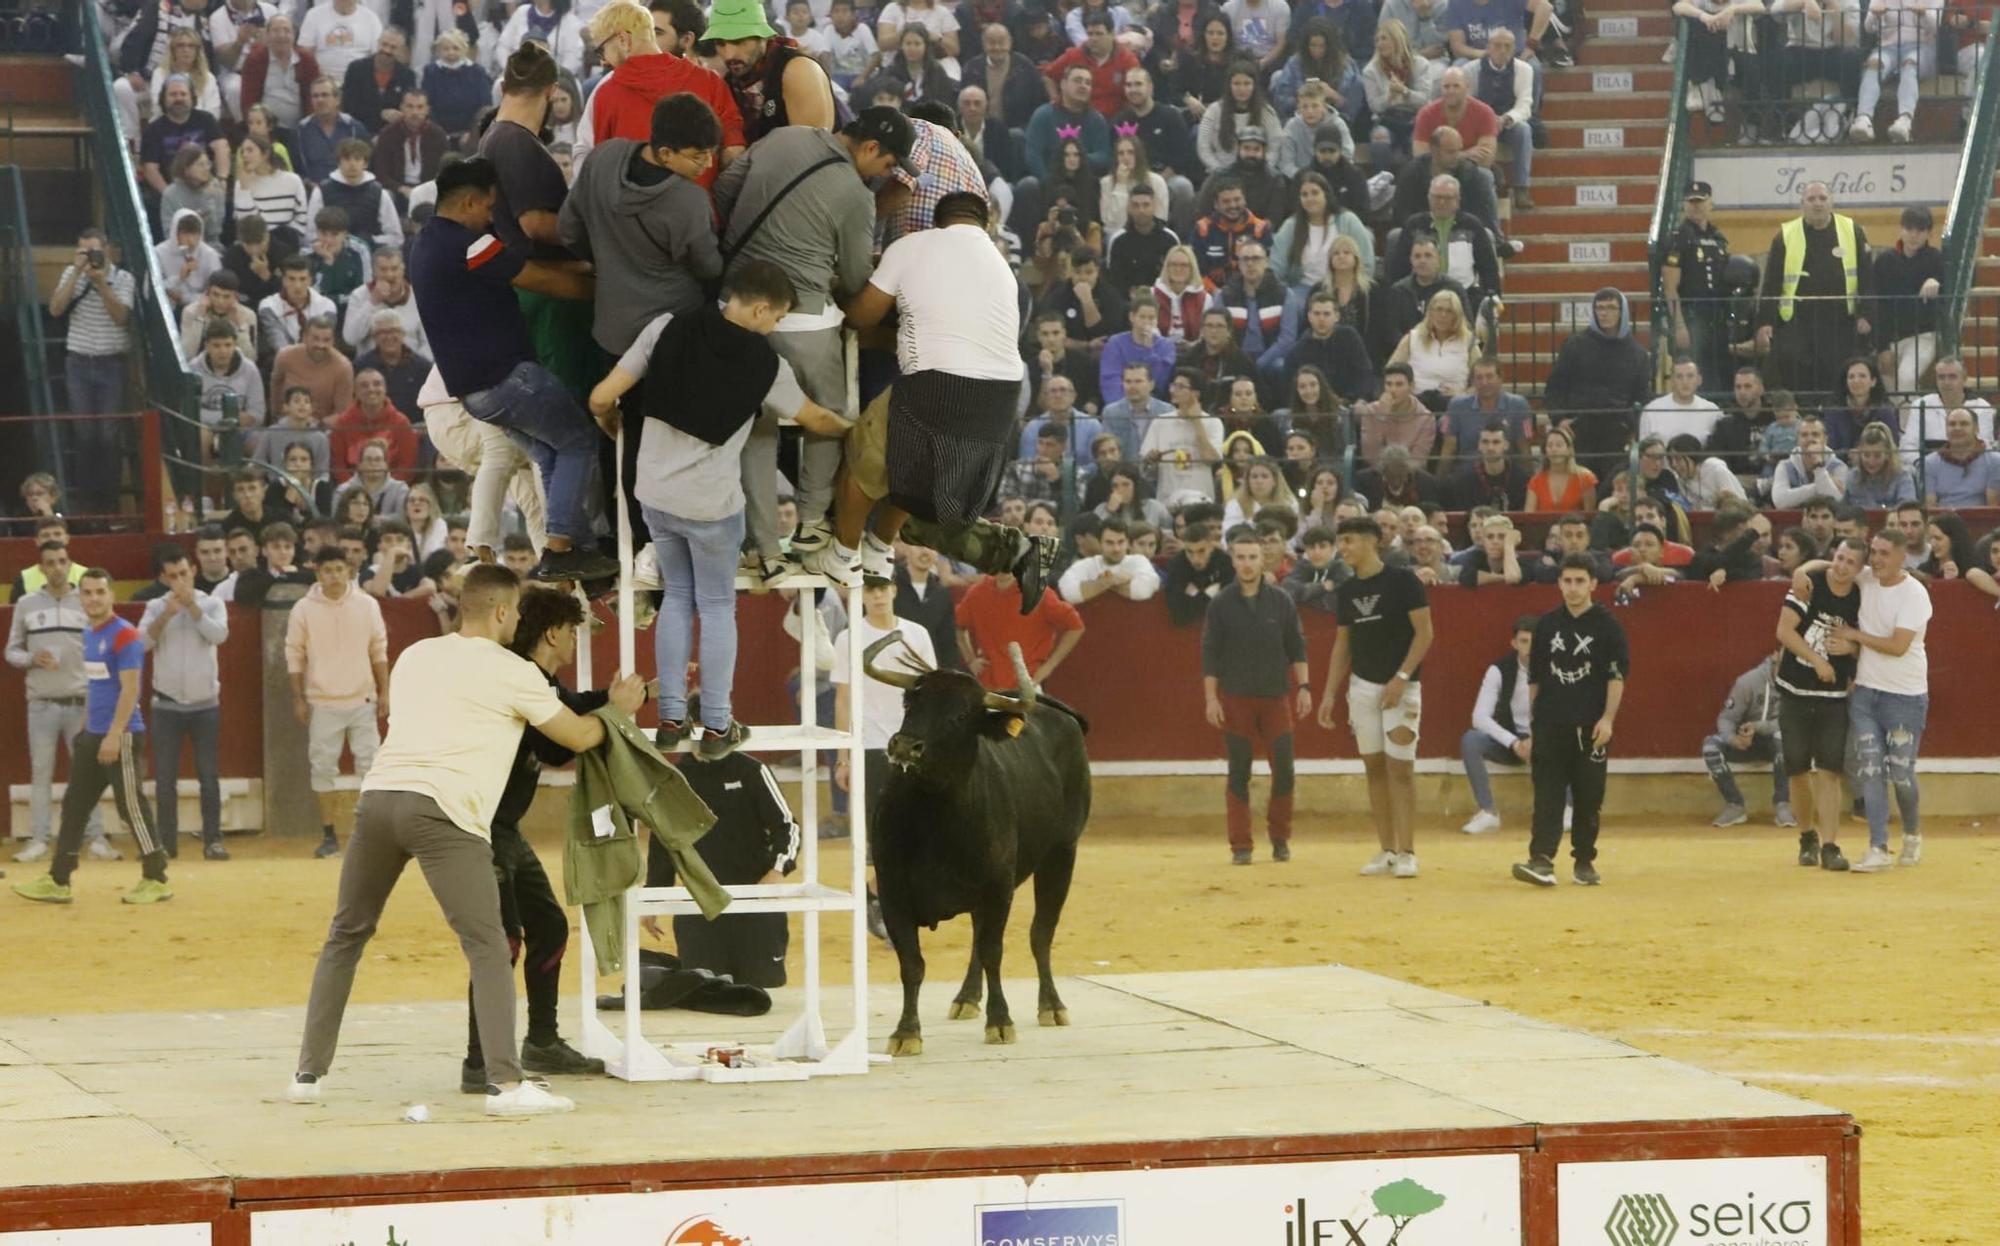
x,y
537,929
88,777
1567,767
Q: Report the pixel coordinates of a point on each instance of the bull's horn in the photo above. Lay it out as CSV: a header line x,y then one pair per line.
x,y
895,679
1021,678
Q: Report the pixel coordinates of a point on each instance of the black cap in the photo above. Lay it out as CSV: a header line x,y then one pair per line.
x,y
888,128
1699,190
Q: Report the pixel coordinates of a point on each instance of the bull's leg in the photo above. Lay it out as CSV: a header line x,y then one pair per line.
x,y
989,936
1051,890
965,1004
908,1037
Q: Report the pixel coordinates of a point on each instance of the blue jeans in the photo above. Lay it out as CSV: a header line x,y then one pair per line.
x,y
1479,750
203,728
1518,143
698,571
1717,753
556,433
1886,728
96,385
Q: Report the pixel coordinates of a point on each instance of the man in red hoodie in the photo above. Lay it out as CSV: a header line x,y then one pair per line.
x,y
642,75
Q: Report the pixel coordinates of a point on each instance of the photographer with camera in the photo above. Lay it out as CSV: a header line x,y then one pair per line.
x,y
98,297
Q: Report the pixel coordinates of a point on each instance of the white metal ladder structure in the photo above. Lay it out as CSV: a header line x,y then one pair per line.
x,y
802,1051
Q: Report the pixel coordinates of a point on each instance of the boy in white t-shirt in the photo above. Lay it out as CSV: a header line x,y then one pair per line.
x,y
1891,697
847,46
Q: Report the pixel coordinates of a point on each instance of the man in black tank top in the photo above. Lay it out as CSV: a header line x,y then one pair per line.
x,y
1814,685
776,82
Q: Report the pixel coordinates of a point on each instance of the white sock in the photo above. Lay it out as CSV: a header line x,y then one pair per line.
x,y
875,542
843,552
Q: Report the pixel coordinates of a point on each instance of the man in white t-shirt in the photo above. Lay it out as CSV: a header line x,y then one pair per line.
x,y
461,702
881,704
1113,569
1924,420
946,435
1681,409
1891,695
339,34
1183,448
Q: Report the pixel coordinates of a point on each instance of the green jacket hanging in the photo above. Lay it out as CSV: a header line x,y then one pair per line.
x,y
623,782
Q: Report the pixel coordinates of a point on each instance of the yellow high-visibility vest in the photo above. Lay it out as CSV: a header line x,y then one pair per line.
x,y
1794,234
34,579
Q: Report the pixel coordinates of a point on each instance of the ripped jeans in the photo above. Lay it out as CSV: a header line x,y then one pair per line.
x,y
1886,728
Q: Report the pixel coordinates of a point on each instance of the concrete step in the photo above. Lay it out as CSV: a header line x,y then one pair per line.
x,y
1582,79
1578,279
1557,222
1633,106
1591,192
1625,249
1642,52
1602,8
1650,24
1598,162
37,79
1604,135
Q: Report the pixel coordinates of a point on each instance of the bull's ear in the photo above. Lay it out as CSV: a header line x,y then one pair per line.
x,y
1000,724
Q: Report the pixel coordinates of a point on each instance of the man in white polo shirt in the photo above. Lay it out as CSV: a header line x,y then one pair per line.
x,y
460,703
1681,409
1891,695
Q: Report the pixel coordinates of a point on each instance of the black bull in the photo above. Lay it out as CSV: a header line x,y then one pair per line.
x,y
985,790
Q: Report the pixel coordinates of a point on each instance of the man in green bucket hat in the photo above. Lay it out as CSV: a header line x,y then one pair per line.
x,y
777,83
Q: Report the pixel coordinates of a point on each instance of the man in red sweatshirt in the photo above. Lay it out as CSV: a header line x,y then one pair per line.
x,y
642,75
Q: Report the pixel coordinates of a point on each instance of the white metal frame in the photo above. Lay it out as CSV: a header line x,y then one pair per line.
x,y
802,1051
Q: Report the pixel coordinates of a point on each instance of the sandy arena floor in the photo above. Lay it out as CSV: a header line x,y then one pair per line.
x,y
1877,994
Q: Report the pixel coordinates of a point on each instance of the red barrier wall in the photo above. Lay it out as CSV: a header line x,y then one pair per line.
x,y
1137,677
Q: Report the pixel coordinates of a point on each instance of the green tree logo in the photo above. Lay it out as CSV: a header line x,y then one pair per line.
x,y
1403,1201
1641,1220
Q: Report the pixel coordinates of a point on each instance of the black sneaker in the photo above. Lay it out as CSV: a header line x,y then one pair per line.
x,y
1281,850
328,847
1239,856
573,564
1831,858
1809,854
471,1079
716,745
669,736
1537,870
557,1056
1586,874
214,851
1032,569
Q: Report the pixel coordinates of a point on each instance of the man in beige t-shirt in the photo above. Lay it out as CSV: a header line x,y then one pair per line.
x,y
461,702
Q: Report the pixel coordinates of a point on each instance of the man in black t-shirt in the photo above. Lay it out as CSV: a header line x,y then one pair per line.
x,y
1385,631
1253,654
1576,681
1814,684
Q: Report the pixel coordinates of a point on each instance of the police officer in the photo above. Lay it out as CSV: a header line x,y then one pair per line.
x,y
1692,277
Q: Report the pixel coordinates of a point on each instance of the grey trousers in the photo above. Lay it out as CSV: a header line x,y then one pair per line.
x,y
819,359
389,829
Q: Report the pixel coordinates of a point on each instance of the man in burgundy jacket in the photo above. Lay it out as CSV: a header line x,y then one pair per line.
x,y
279,44
407,153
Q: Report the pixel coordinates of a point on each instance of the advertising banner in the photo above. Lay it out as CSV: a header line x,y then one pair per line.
x,y
1860,177
1693,1202
1450,1201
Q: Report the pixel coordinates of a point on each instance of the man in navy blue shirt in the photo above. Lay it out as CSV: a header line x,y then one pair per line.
x,y
106,752
465,278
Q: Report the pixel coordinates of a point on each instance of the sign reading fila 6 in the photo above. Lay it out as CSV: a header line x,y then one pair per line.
x,y
1693,1202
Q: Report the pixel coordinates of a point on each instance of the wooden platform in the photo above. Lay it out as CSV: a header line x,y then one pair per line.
x,y
178,1118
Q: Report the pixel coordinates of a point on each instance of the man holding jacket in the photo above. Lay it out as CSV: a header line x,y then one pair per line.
x,y
1747,730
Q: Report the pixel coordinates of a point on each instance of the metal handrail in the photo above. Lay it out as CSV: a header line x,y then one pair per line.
x,y
1676,164
27,300
1965,224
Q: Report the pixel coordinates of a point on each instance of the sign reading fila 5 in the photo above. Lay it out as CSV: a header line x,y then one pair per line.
x,y
1779,1201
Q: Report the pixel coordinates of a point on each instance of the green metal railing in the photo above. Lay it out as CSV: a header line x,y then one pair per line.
x,y
1676,167
1965,224
18,250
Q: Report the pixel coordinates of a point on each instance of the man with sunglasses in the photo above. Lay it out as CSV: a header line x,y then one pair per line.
x,y
625,36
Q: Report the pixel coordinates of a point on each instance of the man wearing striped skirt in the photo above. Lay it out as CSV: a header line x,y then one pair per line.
x,y
107,752
930,464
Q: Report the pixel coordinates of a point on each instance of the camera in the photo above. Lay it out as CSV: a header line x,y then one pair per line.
x,y
1066,217
97,259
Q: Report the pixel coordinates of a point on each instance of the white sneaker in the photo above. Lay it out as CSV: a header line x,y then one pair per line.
x,y
1899,129
877,559
1379,864
841,567
527,1099
101,850
1695,103
812,537
1862,129
34,851
1569,816
1913,850
1483,821
1875,862
1406,865
646,569
304,1088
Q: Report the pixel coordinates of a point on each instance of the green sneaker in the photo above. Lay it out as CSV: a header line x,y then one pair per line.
x,y
46,889
149,891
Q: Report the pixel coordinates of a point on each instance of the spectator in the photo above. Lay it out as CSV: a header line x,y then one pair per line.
x,y
179,124
1439,351
41,498
458,86
196,189
1218,140
1091,308
1070,109
1426,554
1202,73
990,618
1147,253
1812,471
1100,54
1817,289
1254,298
183,627
1115,569
1398,83
1257,488
388,291
1245,416
1682,409
1468,414
1867,403
1253,662
1184,447
1129,173
1950,551
1737,432
1705,480
1963,471
924,599
1169,147
337,652
372,87
1396,418
283,319
1879,480
1010,79
211,557
371,213
1194,576
316,155
989,142
45,639
1909,519
1747,730
403,371
1223,232
1645,561
1780,437
1304,242
1908,277
1423,21
1465,245
1053,356
1265,191
1330,159
98,297
846,48
293,426
373,476
339,34
1732,553
555,26
1493,478
1496,557
1406,302
1502,722
1446,158
1395,481
1321,58
1926,423
915,71
1314,579
278,544
1506,85
1600,376
224,369
278,74
1260,28
409,151
399,568
1572,536
1129,419
1906,50
1333,349
316,365
1070,194
1059,410
1216,356
340,261
219,301
273,197
372,417
1316,415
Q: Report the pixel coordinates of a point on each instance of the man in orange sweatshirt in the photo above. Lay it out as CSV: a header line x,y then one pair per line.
x,y
337,653
641,76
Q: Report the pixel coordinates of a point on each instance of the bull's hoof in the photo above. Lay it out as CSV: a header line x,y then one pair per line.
x,y
1055,1016
999,1034
906,1044
963,1009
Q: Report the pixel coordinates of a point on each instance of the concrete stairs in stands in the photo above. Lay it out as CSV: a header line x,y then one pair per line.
x,y
42,130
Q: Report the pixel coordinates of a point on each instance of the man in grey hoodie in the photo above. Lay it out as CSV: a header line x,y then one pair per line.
x,y
1747,730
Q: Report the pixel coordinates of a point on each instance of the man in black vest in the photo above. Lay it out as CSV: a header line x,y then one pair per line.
x,y
776,82
1501,717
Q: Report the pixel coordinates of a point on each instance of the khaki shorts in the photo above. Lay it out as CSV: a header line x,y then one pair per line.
x,y
867,449
330,728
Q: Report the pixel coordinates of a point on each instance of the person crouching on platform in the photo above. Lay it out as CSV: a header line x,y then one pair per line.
x,y
1253,652
536,923
708,374
461,703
